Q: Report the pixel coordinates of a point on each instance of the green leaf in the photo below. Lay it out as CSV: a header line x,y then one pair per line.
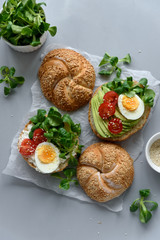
x,y
26,31
67,119
7,91
105,59
31,134
114,61
73,162
41,115
53,31
62,155
152,205
29,16
19,80
143,81
144,214
45,124
16,29
118,72
135,205
55,121
42,3
44,27
69,172
35,43
130,81
76,128
144,192
53,111
2,80
138,90
64,184
130,94
126,59
48,135
4,71
149,93
12,84
34,119
37,125
12,71
105,72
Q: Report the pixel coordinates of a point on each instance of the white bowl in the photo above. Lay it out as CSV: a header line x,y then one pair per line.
x,y
148,146
27,48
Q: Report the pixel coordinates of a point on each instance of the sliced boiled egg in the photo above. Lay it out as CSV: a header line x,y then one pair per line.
x,y
47,157
131,108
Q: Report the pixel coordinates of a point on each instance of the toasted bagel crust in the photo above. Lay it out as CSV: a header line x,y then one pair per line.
x,y
67,79
61,166
105,171
136,128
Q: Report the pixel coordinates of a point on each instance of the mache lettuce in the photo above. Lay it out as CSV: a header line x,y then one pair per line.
x,y
63,133
23,22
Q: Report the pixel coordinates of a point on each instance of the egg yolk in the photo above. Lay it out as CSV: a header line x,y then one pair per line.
x,y
46,154
130,104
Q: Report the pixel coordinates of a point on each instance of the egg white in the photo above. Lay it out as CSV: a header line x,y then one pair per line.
x,y
131,115
47,167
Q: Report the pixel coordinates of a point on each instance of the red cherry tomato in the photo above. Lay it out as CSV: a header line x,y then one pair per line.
x,y
111,97
115,125
27,147
38,136
106,110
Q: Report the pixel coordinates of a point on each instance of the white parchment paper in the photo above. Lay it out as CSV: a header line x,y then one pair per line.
x,y
17,167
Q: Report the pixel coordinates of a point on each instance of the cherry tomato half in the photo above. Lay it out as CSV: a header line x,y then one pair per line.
x,y
115,125
106,110
38,136
27,147
111,97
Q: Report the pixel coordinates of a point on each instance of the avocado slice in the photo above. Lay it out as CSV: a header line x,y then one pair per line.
x,y
96,121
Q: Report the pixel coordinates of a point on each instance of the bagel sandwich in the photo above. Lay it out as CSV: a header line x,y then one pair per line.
x,y
105,171
120,108
49,141
67,79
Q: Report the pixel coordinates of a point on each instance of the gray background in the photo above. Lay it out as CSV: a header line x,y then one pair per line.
x,y
29,212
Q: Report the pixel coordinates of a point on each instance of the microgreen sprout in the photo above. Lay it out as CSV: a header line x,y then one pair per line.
x,y
110,64
145,206
9,79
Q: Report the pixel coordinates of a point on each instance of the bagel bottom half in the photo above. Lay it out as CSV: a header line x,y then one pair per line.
x,y
31,163
133,130
105,171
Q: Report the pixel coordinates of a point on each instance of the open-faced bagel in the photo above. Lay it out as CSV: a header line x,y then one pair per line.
x,y
126,135
30,160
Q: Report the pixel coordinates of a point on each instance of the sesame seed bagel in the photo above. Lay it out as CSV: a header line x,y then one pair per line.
x,y
67,79
105,171
28,159
126,135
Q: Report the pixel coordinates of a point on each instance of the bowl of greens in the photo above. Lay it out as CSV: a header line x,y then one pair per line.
x,y
23,25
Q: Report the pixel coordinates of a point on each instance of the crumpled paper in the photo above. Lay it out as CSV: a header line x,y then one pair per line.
x,y
17,167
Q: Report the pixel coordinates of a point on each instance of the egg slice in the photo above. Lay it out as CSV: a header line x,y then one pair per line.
x,y
131,108
47,157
